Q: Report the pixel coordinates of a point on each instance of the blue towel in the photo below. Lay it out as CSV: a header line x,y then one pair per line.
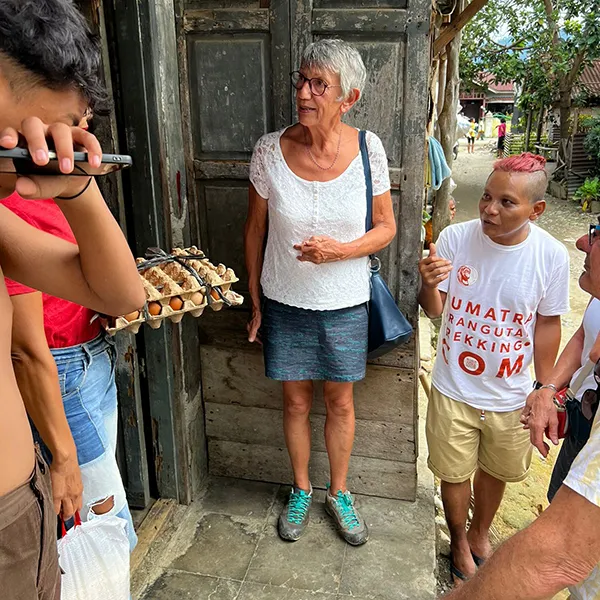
x,y
437,164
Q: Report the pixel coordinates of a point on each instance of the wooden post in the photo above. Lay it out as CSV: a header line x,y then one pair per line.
x,y
448,33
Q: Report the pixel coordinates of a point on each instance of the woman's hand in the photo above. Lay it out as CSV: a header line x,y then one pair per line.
x,y
320,249
253,326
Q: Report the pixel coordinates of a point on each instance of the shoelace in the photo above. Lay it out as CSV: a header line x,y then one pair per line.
x,y
298,505
347,511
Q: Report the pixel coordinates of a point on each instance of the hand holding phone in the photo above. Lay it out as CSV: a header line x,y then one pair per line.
x,y
64,138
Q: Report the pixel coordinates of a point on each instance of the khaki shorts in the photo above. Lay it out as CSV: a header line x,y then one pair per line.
x,y
28,554
459,441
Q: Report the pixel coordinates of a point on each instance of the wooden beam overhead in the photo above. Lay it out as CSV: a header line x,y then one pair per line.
x,y
448,33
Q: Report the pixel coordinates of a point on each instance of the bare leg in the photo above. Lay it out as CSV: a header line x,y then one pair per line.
x,y
297,401
339,430
488,494
456,498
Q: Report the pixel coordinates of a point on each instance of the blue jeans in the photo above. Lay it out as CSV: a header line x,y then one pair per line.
x,y
87,383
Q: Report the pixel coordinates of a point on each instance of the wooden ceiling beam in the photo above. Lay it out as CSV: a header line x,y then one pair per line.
x,y
448,33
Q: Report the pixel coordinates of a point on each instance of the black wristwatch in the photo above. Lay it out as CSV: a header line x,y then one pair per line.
x,y
537,385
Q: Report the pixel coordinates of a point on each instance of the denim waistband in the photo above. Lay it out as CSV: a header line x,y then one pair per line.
x,y
96,346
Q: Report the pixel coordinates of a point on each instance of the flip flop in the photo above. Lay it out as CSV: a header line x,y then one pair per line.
x,y
455,572
477,560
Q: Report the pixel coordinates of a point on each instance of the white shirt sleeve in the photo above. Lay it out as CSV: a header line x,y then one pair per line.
x,y
258,168
445,248
556,299
380,174
584,475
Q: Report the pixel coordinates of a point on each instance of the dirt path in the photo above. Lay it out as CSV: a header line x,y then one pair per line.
x,y
564,220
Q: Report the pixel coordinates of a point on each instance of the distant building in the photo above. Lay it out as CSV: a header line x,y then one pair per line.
x,y
488,96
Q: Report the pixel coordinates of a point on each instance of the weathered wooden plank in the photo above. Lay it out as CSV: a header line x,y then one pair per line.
x,y
132,421
402,357
240,169
237,377
339,4
195,20
359,20
264,426
281,67
370,476
222,169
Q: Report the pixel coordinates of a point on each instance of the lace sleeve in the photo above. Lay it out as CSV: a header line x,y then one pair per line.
x,y
258,167
379,165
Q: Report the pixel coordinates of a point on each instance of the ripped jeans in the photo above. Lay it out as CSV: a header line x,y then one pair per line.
x,y
87,384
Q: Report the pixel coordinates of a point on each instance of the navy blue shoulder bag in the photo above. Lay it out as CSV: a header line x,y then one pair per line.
x,y
388,327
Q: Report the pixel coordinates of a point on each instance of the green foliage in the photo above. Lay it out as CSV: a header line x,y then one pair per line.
x,y
539,50
588,192
591,143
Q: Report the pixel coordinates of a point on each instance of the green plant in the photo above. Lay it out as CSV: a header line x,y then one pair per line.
x,y
588,192
591,143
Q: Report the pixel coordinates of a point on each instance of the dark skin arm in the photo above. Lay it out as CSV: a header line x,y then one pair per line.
x,y
434,269
559,549
546,341
37,378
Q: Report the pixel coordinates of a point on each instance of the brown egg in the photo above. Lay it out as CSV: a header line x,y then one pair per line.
x,y
215,295
197,298
154,308
176,303
132,316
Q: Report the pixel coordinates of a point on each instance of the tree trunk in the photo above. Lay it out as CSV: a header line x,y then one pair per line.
x,y
447,128
565,126
540,125
528,130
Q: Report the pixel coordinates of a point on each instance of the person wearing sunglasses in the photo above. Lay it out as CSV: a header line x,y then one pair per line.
x,y
561,548
541,411
311,285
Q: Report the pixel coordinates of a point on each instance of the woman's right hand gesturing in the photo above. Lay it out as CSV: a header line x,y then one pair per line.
x,y
434,269
253,326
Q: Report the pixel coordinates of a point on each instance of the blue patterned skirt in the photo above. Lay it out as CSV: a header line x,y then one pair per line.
x,y
327,345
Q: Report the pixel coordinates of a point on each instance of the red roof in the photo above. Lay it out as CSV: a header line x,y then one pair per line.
x,y
590,78
497,88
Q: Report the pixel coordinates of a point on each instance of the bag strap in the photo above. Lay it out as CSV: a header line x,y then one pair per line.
x,y
583,375
362,142
364,151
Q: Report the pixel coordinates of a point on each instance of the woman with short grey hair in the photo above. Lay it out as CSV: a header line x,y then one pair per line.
x,y
311,285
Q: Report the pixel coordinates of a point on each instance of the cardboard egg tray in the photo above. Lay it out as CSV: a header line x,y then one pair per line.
x,y
166,282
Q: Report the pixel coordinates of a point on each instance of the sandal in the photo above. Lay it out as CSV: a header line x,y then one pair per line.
x,y
456,572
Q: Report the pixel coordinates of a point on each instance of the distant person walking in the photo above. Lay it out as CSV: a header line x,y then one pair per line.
x,y
501,136
471,135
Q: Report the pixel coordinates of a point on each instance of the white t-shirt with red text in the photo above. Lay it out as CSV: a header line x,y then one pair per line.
x,y
494,294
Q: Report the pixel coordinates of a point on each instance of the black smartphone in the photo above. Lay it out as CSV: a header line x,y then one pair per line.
x,y
18,161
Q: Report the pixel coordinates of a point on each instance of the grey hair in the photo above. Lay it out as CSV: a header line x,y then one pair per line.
x,y
337,57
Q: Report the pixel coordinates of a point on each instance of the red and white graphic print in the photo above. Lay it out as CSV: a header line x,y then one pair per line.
x,y
467,275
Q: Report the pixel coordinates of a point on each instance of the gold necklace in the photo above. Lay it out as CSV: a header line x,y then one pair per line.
x,y
337,154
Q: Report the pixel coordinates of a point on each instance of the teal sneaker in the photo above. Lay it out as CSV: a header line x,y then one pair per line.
x,y
294,517
350,525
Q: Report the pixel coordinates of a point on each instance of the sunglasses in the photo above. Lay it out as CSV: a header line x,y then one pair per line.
x,y
593,232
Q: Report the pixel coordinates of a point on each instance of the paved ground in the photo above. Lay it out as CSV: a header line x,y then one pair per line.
x,y
226,547
564,220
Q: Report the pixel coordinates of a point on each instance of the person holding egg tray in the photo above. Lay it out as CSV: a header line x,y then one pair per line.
x,y
311,285
49,80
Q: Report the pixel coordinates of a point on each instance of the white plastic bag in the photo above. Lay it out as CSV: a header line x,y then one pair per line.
x,y
95,559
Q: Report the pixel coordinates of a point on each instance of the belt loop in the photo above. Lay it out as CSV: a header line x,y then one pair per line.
x,y
88,354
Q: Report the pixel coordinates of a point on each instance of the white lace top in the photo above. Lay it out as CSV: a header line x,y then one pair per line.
x,y
299,209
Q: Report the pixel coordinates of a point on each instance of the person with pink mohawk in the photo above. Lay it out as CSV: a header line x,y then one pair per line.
x,y
501,284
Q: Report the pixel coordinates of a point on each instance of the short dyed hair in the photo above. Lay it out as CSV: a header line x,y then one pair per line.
x,y
339,57
48,43
527,163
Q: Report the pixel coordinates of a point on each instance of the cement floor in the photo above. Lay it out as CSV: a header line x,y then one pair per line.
x,y
226,547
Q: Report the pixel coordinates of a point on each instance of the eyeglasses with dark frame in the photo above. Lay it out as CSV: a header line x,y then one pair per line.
x,y
317,86
594,232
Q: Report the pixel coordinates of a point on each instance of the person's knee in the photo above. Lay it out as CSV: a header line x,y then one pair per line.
x,y
297,405
340,405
